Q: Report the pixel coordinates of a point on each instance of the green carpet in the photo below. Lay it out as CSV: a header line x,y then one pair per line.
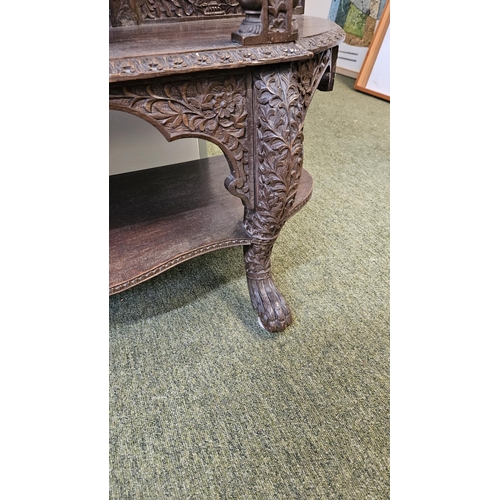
x,y
204,404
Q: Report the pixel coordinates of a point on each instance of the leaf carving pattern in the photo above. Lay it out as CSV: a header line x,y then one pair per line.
x,y
277,15
214,108
283,97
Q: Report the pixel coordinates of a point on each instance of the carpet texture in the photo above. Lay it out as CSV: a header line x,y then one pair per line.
x,y
204,404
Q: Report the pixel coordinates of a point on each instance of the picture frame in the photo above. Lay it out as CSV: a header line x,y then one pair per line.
x,y
374,77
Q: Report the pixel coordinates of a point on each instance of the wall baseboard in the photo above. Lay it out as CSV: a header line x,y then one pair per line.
x,y
347,72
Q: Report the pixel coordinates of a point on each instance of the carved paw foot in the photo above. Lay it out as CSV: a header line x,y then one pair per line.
x,y
270,305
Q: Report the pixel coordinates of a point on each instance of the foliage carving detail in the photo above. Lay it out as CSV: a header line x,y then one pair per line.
x,y
214,108
282,97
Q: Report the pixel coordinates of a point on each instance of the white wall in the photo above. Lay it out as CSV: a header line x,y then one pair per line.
x,y
135,144
317,8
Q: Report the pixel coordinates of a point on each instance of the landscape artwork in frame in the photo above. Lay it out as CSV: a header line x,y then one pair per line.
x,y
374,76
358,18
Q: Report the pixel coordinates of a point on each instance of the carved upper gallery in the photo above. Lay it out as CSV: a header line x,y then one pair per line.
x,y
264,21
130,12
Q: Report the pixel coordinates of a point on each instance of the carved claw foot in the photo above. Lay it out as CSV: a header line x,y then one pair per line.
x,y
273,311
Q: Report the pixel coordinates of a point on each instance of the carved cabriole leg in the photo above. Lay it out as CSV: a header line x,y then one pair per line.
x,y
281,98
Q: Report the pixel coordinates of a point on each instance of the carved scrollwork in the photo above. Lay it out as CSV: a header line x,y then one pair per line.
x,y
213,108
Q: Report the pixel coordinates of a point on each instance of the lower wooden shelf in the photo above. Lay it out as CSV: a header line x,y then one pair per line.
x,y
163,216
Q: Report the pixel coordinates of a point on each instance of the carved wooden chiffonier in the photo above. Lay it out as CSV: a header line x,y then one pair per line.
x,y
240,74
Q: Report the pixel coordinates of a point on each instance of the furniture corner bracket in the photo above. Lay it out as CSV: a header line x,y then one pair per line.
x,y
266,21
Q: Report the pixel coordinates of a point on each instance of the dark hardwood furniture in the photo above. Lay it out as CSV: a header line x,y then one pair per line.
x,y
242,75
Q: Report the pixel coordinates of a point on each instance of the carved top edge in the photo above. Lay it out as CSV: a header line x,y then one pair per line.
x,y
323,41
134,68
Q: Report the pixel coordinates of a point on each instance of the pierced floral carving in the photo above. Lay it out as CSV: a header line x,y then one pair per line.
x,y
213,108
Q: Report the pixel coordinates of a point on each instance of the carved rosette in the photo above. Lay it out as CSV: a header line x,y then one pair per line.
x,y
211,108
281,99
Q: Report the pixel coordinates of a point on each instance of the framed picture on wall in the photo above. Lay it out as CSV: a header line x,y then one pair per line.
x,y
374,76
359,19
